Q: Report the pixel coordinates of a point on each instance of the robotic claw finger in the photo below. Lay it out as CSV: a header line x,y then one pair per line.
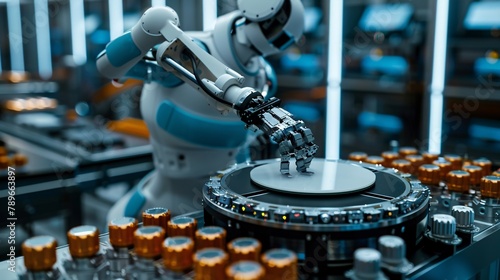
x,y
294,139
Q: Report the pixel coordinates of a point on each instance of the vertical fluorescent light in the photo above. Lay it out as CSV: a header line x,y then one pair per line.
x,y
333,90
209,14
78,41
43,39
15,35
0,60
158,3
115,18
438,76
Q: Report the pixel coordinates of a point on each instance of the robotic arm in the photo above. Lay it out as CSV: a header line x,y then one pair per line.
x,y
180,55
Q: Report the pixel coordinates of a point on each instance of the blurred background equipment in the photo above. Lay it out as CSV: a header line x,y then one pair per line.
x,y
369,75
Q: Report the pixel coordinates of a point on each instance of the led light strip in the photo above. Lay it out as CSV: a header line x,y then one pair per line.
x,y
115,18
43,39
333,90
438,76
209,14
158,3
78,41
15,35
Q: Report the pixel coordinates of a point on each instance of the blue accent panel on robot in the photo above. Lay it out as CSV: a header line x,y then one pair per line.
x,y
148,72
135,203
122,50
197,130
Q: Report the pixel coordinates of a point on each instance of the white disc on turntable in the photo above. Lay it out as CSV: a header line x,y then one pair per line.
x,y
330,177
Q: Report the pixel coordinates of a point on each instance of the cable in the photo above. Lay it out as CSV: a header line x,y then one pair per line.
x,y
201,84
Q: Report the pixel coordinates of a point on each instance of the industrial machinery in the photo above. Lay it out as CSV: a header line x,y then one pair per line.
x,y
409,216
188,128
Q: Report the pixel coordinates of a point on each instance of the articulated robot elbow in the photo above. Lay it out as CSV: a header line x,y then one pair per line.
x,y
124,52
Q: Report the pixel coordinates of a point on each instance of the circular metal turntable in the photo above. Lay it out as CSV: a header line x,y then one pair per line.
x,y
328,177
333,223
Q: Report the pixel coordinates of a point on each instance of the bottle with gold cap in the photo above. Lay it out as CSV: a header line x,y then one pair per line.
x,y
496,173
430,176
244,248
416,161
389,157
458,186
407,151
245,270
177,258
156,216
210,237
182,226
429,157
402,165
357,156
444,167
39,254
476,173
490,187
121,238
455,160
84,247
375,160
487,200
485,164
280,264
210,264
147,248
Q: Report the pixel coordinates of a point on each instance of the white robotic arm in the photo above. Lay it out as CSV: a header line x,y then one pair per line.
x,y
180,55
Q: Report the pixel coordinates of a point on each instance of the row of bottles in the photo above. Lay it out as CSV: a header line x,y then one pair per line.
x,y
448,172
163,248
11,157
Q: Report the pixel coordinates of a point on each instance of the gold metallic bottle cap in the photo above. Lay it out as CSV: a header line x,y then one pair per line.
x,y
245,270
476,173
39,253
429,157
244,248
211,237
83,241
182,226
375,160
210,264
429,174
121,231
485,164
4,162
416,161
19,160
157,216
455,160
490,187
280,264
357,156
496,173
407,151
3,151
444,166
402,165
389,157
148,241
458,181
178,253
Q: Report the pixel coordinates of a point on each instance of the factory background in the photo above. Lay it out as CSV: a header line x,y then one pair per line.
x,y
368,76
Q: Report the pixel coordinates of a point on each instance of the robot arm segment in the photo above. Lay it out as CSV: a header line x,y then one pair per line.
x,y
180,55
124,52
